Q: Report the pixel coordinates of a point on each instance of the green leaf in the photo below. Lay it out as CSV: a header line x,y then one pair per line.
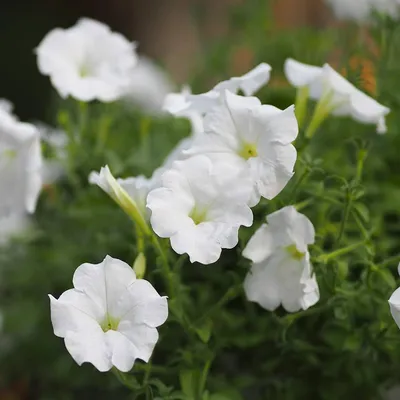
x,y
228,394
387,276
362,211
204,331
189,381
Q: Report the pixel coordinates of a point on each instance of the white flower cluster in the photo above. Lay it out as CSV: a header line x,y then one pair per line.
x,y
362,10
239,152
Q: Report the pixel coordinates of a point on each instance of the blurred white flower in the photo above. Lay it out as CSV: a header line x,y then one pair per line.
x,y
149,85
130,193
249,83
361,10
87,61
394,303
200,207
256,138
110,317
281,272
336,95
20,165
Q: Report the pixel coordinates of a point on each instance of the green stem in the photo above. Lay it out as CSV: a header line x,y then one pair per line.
x,y
321,111
362,155
394,259
324,258
299,182
83,118
203,378
165,265
346,214
147,373
301,104
102,134
139,239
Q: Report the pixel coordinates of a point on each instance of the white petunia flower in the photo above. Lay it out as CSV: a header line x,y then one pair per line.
x,y
129,193
200,207
20,165
281,272
361,10
336,95
149,85
249,83
394,303
254,137
110,317
87,61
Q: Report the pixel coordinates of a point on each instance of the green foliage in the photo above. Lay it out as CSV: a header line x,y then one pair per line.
x,y
216,345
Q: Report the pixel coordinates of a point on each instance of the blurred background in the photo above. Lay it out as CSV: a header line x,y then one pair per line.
x,y
176,33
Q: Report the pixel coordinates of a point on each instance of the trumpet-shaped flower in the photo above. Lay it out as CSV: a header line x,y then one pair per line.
x,y
20,164
336,95
130,193
200,207
256,138
109,318
248,83
87,61
281,272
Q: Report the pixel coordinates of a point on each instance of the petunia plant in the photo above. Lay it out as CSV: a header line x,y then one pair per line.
x,y
237,241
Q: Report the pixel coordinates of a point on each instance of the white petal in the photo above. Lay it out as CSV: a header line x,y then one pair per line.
x,y
281,279
200,242
260,287
249,83
260,245
299,74
89,346
394,303
104,283
231,120
291,227
75,316
169,211
143,337
273,169
141,304
276,125
123,351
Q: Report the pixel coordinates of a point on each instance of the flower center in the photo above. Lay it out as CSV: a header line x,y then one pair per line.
x,y
248,150
84,71
9,153
294,253
109,323
198,215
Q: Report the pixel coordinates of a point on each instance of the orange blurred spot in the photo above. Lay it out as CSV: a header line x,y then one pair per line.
x,y
242,60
